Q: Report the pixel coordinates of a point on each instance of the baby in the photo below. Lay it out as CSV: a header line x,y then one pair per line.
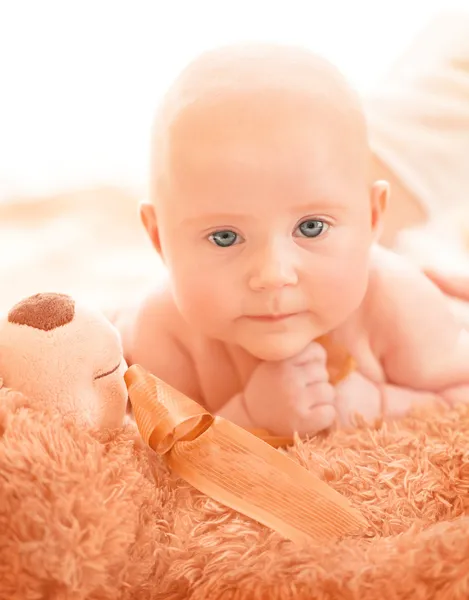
x,y
264,212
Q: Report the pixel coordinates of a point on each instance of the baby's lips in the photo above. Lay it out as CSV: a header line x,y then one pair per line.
x,y
163,415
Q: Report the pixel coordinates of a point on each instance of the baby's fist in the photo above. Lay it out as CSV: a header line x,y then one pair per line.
x,y
292,395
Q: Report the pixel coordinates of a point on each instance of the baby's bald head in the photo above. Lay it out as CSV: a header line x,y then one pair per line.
x,y
261,201
250,99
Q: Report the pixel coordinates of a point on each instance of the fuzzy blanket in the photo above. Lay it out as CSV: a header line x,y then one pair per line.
x,y
86,517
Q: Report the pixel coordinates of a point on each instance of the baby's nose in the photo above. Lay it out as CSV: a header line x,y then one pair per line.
x,y
273,269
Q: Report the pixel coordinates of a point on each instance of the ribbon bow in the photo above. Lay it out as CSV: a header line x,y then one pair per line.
x,y
236,468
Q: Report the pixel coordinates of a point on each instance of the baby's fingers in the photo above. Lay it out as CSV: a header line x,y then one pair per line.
x,y
317,418
315,373
316,409
299,377
313,352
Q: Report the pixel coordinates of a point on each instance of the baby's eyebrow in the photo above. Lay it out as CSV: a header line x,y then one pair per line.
x,y
313,207
215,218
319,206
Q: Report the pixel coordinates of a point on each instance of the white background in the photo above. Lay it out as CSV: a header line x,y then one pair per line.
x,y
79,80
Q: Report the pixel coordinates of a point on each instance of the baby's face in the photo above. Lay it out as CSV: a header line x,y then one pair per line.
x,y
266,230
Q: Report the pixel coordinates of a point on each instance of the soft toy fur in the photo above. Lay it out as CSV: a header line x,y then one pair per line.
x,y
67,355
92,514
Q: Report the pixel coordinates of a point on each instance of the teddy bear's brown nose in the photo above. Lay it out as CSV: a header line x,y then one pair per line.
x,y
43,311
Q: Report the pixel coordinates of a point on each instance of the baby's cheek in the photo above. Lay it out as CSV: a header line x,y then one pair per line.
x,y
351,287
203,296
341,288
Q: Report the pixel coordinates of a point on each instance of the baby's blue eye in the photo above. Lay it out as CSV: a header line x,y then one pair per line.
x,y
312,228
224,238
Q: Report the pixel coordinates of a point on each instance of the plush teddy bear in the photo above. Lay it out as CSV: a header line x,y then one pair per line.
x,y
88,513
68,356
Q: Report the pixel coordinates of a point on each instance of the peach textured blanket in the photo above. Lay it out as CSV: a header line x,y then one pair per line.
x,y
89,518
89,244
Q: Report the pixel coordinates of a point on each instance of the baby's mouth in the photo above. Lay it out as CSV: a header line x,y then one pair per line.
x,y
272,318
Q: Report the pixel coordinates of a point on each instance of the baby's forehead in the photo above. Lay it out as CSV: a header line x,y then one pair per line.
x,y
269,114
254,94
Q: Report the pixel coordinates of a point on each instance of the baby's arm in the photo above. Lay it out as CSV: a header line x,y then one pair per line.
x,y
235,411
422,346
358,395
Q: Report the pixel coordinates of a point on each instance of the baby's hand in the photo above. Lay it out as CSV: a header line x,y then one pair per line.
x,y
292,395
358,396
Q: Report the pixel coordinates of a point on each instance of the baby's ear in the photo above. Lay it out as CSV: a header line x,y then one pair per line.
x,y
379,200
148,217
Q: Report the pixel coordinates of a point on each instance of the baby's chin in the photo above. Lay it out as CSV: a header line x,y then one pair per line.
x,y
276,348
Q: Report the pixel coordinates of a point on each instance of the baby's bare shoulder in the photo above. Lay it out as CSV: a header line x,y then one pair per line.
x,y
406,317
158,310
397,288
388,269
157,342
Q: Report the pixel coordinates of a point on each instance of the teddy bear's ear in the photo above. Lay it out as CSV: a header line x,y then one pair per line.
x,y
43,311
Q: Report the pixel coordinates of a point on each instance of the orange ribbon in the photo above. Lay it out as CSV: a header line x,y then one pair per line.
x,y
235,467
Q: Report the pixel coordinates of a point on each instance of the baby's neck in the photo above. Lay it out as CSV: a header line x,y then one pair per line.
x,y
243,362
